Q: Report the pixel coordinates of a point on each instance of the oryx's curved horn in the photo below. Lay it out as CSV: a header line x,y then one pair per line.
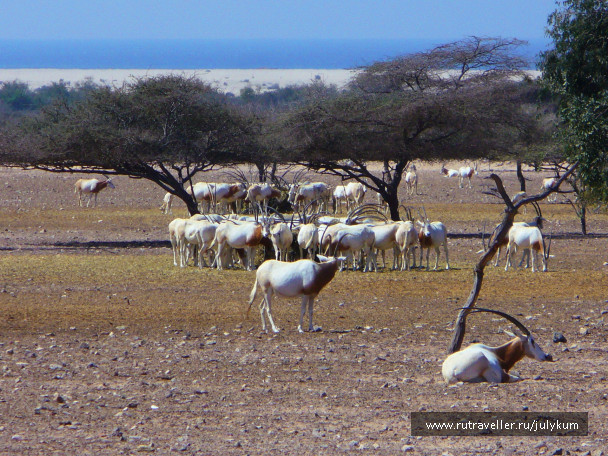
x,y
504,315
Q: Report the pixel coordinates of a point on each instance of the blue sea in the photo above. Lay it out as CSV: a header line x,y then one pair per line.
x,y
214,54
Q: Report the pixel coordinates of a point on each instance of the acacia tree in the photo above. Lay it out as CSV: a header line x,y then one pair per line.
x,y
459,100
576,70
165,129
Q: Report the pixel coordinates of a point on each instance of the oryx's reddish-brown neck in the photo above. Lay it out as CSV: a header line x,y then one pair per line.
x,y
99,186
510,353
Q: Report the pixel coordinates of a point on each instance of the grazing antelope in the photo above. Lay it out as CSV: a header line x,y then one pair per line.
x,y
338,197
302,278
308,239
259,195
385,238
165,208
304,194
91,187
407,239
466,172
353,240
355,193
547,184
527,237
479,363
537,222
432,235
411,180
281,237
449,172
176,237
199,235
238,235
214,193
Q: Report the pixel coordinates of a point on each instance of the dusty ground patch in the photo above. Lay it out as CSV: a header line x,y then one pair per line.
x,y
109,349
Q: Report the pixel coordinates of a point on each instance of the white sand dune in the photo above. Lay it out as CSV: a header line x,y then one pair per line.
x,y
225,80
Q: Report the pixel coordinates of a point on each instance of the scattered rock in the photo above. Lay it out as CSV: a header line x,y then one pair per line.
x,y
583,331
558,337
407,448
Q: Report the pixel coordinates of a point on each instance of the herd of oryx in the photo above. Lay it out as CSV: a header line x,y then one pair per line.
x,y
223,235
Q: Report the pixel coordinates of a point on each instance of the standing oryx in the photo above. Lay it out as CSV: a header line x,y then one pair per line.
x,y
91,187
547,184
411,180
302,278
432,235
466,172
527,237
479,363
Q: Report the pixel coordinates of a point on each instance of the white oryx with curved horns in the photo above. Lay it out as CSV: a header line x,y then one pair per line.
x,y
528,237
478,362
432,235
91,187
302,278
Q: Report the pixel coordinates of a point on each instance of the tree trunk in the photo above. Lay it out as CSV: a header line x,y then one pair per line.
x,y
392,200
520,177
583,217
502,232
261,172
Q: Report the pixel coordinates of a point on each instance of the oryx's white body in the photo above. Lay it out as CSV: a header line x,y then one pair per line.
x,y
478,362
433,235
281,237
339,197
90,187
355,193
526,237
302,278
450,172
411,180
302,194
214,193
352,240
308,239
199,235
466,172
176,237
385,238
238,235
548,183
165,208
261,194
236,195
407,239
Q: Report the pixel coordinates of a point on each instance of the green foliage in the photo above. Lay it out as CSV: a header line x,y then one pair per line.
x,y
577,71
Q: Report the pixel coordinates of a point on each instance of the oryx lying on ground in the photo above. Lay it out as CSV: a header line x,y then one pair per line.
x,y
479,363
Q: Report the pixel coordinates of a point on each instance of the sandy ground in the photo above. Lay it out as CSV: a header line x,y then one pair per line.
x,y
107,348
232,80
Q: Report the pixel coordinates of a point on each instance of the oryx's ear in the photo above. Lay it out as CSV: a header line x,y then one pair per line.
x,y
322,258
418,222
341,258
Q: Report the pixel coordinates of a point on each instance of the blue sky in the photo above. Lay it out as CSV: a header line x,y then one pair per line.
x,y
288,19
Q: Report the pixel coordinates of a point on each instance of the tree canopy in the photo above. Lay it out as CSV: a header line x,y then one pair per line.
x,y
576,70
165,129
466,99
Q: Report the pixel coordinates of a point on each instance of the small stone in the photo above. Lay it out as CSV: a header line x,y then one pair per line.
x,y
558,337
597,453
583,331
558,452
407,448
